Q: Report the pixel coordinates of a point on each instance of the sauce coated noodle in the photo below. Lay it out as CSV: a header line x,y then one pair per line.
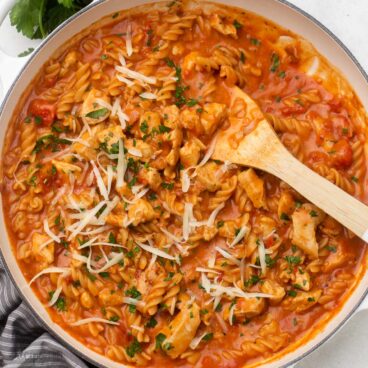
x,y
153,254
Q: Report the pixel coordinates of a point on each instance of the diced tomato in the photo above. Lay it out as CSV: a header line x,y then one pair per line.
x,y
42,112
342,155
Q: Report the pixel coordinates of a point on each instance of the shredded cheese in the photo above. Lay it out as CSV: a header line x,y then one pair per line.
x,y
127,81
103,103
148,96
100,182
209,152
49,232
187,217
214,214
94,319
153,250
135,152
243,230
207,270
128,40
49,270
195,342
227,255
76,228
113,261
121,166
231,314
262,255
135,75
170,235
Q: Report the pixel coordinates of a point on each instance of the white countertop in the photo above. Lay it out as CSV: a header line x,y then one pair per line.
x,y
347,19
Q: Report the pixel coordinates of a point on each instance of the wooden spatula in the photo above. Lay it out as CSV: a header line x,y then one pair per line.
x,y
262,149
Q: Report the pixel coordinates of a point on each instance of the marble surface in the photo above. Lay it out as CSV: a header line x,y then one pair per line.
x,y
347,19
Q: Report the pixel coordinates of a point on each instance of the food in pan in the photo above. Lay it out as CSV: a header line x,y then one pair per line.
x,y
137,242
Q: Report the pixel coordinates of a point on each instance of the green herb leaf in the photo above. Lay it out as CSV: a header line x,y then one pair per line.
x,y
208,337
151,323
96,114
160,338
133,348
26,52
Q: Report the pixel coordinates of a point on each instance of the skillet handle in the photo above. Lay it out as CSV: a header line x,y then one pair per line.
x,y
9,65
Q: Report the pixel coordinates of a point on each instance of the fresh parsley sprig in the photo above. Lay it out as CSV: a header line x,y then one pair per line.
x,y
37,18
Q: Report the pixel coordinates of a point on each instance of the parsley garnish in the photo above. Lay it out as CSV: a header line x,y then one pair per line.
x,y
237,25
275,62
151,323
160,338
133,348
133,293
168,186
208,337
293,260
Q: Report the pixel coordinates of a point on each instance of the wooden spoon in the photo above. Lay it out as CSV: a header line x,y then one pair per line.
x,y
262,149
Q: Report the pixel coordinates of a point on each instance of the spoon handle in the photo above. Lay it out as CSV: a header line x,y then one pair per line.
x,y
346,209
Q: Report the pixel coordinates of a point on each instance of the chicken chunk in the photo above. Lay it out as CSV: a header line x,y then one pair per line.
x,y
148,121
254,187
141,148
190,120
286,204
42,254
110,136
305,220
181,330
212,116
107,299
191,152
87,148
208,177
92,112
273,288
150,176
248,308
303,300
141,212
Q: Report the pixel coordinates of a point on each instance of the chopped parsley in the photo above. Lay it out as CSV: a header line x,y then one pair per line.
x,y
275,62
255,41
133,293
163,129
133,348
293,260
151,323
160,338
313,213
114,318
208,337
331,248
237,25
168,186
284,217
144,127
220,224
292,293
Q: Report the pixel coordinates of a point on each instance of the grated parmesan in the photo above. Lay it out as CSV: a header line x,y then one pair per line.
x,y
93,319
49,232
153,250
